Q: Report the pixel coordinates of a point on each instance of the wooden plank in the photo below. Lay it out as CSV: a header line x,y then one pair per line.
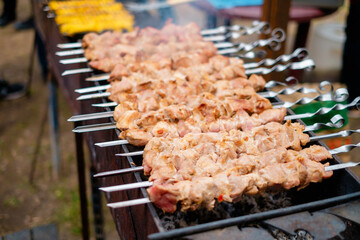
x,y
45,232
276,12
23,235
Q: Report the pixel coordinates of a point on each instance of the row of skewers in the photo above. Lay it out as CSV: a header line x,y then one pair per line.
x,y
208,134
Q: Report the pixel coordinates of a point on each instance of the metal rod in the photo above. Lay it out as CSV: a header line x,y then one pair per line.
x,y
100,77
69,52
124,187
76,71
93,96
91,116
344,133
73,60
130,154
341,166
109,104
129,203
92,89
344,149
94,127
111,143
69,45
120,171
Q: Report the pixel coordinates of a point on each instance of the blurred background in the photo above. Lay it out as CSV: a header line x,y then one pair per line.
x,y
30,195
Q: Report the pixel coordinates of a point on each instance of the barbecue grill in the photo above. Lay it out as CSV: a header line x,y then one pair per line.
x,y
340,188
250,216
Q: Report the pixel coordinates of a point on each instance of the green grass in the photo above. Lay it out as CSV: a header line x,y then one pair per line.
x,y
11,201
69,212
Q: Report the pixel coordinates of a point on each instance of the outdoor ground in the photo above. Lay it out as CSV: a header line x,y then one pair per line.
x,y
47,199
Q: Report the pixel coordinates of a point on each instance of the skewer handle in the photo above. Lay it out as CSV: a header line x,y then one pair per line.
x,y
344,133
305,64
325,110
336,121
298,54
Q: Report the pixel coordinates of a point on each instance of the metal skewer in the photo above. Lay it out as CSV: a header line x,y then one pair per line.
x,y
70,52
341,166
100,77
69,45
129,203
76,71
130,154
73,60
112,143
120,171
91,116
257,27
109,104
93,96
126,186
94,127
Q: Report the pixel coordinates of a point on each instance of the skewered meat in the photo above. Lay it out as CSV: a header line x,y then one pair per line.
x,y
246,174
171,42
204,114
221,145
153,100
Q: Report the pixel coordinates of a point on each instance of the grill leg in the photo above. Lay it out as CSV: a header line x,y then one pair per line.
x,y
97,207
54,126
82,183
